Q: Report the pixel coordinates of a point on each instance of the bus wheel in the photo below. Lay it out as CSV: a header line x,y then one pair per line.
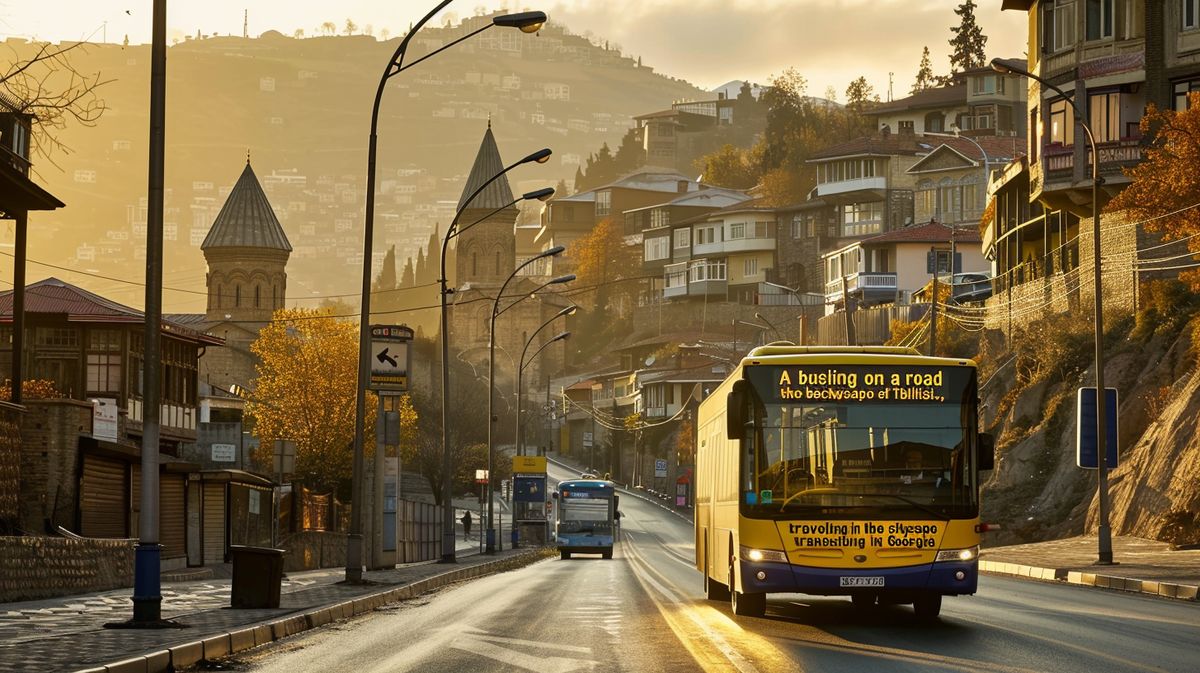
x,y
564,554
746,604
607,553
863,601
927,606
714,590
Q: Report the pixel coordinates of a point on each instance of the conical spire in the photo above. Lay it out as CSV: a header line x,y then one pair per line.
x,y
487,164
246,220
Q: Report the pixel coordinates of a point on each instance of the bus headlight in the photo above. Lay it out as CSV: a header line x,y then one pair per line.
x,y
759,555
968,554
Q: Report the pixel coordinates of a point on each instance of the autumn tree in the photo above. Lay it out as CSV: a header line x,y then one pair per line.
x,y
1165,186
605,264
967,45
49,86
925,78
350,27
304,391
729,167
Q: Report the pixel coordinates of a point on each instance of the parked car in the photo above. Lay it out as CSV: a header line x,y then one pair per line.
x,y
971,287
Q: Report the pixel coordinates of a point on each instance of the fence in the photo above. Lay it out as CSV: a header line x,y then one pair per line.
x,y
872,326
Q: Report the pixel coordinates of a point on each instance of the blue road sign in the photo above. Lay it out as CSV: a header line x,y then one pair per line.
x,y
1085,428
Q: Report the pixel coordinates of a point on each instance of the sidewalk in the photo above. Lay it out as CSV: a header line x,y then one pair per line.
x,y
1142,566
68,633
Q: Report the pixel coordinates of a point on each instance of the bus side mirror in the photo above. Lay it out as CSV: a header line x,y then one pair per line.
x,y
554,495
985,452
616,502
735,410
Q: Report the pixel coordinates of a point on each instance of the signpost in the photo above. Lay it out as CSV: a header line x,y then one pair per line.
x,y
660,468
1086,455
104,418
390,358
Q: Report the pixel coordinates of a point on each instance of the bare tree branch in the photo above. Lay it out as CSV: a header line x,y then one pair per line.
x,y
49,86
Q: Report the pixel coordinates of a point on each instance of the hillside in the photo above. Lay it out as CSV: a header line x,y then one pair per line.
x,y
1037,492
300,108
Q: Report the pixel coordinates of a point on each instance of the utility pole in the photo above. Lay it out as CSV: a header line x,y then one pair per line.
x,y
933,302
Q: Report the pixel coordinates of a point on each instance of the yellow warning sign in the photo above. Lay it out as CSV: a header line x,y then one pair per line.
x,y
529,465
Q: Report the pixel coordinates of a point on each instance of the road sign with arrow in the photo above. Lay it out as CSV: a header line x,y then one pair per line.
x,y
390,358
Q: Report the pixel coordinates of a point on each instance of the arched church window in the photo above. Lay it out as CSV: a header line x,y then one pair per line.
x,y
237,296
218,296
256,297
497,262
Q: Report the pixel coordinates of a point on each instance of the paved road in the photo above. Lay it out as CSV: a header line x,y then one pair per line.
x,y
643,611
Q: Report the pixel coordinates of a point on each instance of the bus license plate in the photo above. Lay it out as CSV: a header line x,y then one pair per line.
x,y
861,581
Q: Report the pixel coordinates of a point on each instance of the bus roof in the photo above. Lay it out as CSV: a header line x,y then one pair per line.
x,y
585,483
859,355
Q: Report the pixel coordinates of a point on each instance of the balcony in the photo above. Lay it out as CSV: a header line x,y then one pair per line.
x,y
873,184
1114,157
868,286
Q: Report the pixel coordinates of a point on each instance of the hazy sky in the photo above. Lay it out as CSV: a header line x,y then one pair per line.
x,y
707,42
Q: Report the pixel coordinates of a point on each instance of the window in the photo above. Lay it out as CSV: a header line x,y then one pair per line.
x,y
702,269
1058,25
906,126
660,217
103,373
256,297
603,202
706,235
1190,13
983,85
474,265
737,230
1099,19
237,296
657,248
56,337
860,219
935,122
761,228
1104,112
1182,89
750,266
1035,132
1062,123
683,238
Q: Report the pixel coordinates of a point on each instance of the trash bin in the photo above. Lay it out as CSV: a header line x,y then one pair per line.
x,y
257,575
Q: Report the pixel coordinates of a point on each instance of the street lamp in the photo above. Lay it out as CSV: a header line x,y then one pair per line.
x,y
490,548
570,310
448,551
525,21
1105,555
769,324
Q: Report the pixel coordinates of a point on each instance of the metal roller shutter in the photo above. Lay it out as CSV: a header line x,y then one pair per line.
x,y
214,523
172,522
103,499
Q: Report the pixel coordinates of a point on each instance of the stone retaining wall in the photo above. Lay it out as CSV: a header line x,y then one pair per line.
x,y
32,568
10,466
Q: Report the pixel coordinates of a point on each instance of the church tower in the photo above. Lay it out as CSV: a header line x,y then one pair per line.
x,y
486,252
247,254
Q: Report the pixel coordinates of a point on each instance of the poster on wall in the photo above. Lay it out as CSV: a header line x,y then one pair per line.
x,y
104,418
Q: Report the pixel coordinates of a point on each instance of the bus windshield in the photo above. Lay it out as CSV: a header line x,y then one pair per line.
x,y
837,449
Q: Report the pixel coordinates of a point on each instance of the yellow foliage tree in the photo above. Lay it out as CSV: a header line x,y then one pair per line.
x,y
304,391
603,261
1166,185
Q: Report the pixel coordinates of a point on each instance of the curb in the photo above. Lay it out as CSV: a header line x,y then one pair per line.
x,y
1184,592
250,636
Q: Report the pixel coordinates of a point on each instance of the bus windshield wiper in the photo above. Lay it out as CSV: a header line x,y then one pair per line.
x,y
942,516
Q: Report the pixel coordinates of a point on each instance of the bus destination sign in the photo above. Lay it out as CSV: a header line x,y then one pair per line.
x,y
833,384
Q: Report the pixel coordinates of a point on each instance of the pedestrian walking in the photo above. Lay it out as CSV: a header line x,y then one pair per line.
x,y
466,519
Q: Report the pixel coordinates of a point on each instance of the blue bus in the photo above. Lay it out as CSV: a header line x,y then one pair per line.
x,y
587,517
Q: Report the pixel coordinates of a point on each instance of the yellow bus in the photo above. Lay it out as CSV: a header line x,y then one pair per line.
x,y
847,471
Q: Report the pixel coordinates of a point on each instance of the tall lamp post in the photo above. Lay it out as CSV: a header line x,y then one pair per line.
x,y
521,364
490,548
448,552
526,22
1105,553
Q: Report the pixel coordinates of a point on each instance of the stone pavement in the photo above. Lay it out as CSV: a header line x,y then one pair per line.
x,y
1141,565
67,633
